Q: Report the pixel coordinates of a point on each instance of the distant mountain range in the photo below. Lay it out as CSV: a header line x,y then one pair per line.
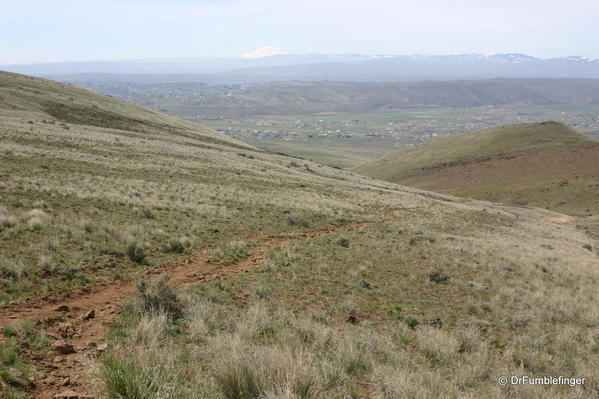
x,y
332,67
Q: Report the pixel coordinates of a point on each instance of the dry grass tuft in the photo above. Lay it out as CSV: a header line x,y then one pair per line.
x,y
230,253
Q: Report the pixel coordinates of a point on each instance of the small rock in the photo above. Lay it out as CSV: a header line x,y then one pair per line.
x,y
88,315
102,347
58,359
66,330
62,308
63,348
68,394
50,380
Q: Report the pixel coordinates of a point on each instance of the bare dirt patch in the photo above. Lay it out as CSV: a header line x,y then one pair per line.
x,y
562,179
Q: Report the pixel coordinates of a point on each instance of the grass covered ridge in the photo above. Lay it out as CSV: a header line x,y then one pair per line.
x,y
541,164
470,146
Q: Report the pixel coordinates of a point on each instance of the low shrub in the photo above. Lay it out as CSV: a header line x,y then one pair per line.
x,y
410,320
177,246
438,277
160,298
298,221
344,242
230,253
137,253
12,271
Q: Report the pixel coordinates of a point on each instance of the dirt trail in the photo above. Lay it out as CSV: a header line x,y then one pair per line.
x,y
66,316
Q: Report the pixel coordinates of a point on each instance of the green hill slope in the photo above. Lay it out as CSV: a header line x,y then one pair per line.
x,y
541,164
470,146
70,104
289,278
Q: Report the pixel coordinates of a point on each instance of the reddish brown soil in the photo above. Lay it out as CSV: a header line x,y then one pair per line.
x,y
62,373
564,163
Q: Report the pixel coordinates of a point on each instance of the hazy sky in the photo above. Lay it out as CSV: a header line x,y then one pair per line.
x,y
67,30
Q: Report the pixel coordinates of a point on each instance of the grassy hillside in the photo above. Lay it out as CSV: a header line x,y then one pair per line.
x,y
540,164
289,279
65,103
471,146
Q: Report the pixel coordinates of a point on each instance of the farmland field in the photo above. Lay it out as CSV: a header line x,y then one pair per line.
x,y
350,139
